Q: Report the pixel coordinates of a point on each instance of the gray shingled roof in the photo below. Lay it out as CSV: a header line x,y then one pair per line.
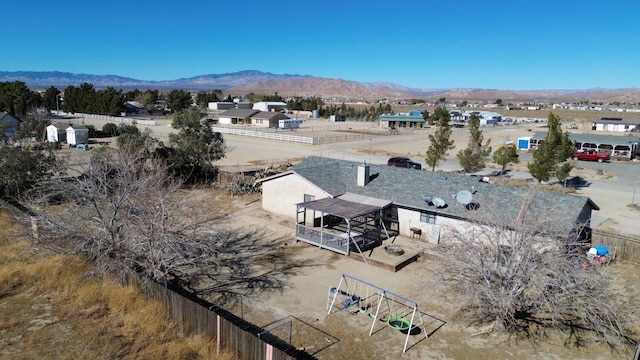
x,y
269,115
239,113
407,188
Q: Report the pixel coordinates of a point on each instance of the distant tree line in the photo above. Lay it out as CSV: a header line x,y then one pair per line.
x,y
304,104
86,99
17,99
370,114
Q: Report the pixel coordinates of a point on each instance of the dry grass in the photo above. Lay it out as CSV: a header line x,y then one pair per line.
x,y
49,307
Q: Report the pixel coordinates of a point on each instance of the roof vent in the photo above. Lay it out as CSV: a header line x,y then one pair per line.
x,y
428,199
442,178
438,202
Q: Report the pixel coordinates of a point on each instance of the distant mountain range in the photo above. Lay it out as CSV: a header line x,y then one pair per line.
x,y
248,81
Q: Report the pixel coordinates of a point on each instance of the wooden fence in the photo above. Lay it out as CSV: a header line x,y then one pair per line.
x,y
230,332
624,248
194,315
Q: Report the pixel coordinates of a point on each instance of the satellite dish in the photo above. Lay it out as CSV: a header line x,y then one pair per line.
x,y
464,197
438,202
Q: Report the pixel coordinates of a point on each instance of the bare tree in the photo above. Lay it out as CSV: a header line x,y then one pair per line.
x,y
127,215
523,275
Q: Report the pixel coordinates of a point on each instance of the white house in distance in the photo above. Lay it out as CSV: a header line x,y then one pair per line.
x,y
237,116
487,118
616,124
270,106
267,119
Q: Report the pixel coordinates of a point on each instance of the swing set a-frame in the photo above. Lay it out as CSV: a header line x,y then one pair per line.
x,y
360,296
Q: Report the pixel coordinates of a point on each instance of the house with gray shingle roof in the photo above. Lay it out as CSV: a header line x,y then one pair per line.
x,y
236,116
408,201
267,119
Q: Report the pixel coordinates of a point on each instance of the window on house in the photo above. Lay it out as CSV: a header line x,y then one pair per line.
x,y
428,218
308,197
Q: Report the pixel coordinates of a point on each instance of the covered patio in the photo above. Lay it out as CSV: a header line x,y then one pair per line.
x,y
342,224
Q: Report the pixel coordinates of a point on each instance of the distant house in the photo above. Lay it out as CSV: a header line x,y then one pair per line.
x,y
57,133
227,105
369,201
267,119
616,146
616,124
237,116
412,120
487,118
9,125
270,106
134,108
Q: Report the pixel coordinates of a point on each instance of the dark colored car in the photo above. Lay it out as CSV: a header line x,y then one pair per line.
x,y
404,163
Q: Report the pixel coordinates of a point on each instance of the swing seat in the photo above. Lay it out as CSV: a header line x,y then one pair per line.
x,y
398,323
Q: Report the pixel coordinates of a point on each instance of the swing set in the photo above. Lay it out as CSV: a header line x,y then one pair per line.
x,y
357,296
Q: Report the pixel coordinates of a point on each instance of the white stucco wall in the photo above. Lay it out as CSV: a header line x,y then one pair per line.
x,y
224,120
614,127
280,195
410,218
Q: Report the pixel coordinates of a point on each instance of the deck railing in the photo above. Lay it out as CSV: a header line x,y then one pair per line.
x,y
323,239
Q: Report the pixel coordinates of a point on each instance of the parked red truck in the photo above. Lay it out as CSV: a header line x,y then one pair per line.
x,y
590,155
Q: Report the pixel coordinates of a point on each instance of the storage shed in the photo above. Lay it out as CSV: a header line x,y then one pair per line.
x,y
57,132
77,135
523,143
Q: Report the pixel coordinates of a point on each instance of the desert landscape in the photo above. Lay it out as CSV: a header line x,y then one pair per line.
x,y
300,311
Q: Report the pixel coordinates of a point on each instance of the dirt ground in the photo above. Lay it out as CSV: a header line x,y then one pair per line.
x,y
299,312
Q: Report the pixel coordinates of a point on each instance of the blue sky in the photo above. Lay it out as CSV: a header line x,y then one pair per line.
x,y
511,45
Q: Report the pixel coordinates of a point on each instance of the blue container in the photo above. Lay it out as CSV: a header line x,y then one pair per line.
x,y
602,250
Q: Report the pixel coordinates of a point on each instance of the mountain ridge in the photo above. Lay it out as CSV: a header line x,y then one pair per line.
x,y
247,81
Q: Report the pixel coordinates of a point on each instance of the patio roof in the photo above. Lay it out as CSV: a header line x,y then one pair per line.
x,y
339,207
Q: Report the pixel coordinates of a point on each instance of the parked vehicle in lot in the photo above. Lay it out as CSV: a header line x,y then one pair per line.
x,y
404,162
590,155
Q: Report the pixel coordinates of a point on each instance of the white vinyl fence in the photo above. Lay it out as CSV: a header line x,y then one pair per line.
x,y
125,120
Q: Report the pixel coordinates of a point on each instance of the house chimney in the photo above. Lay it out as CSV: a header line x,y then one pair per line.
x,y
363,174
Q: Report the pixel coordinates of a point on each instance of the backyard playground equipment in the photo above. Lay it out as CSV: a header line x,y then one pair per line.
x,y
357,296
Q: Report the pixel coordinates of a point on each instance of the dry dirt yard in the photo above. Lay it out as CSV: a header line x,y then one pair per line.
x,y
342,335
299,312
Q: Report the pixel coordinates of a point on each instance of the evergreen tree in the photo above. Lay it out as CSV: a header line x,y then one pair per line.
x,y
472,158
504,156
553,150
178,100
440,140
51,98
195,147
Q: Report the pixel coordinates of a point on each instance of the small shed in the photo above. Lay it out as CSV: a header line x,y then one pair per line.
x,y
57,132
77,135
523,143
